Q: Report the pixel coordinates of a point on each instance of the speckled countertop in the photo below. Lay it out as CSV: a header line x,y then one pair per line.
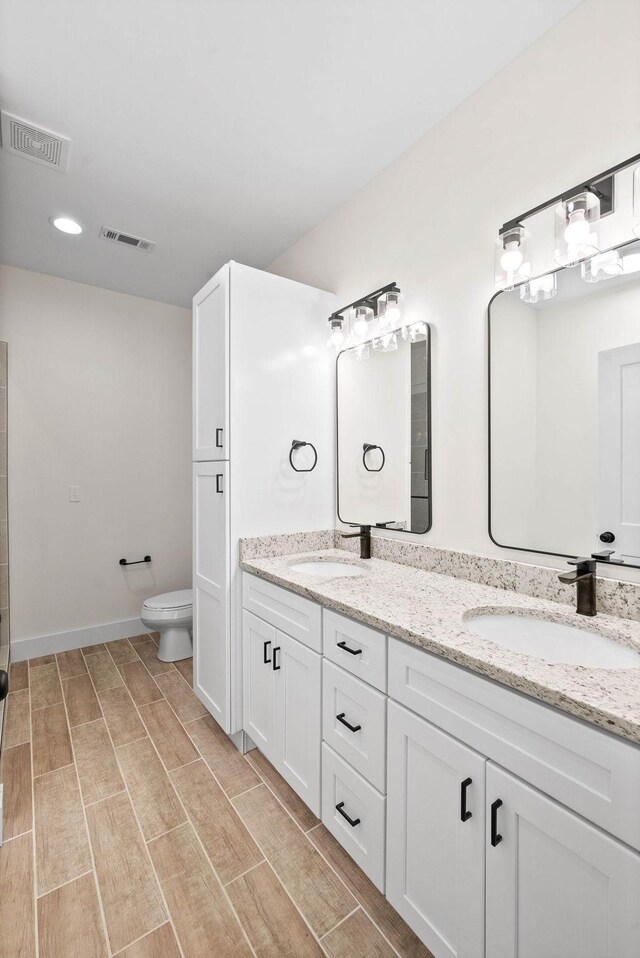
x,y
428,609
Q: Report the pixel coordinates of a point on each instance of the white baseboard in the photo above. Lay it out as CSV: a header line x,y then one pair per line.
x,y
22,649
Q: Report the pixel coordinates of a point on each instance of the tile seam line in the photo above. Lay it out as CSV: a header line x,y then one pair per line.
x,y
86,830
137,821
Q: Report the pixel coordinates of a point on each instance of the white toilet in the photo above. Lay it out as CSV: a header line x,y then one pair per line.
x,y
171,614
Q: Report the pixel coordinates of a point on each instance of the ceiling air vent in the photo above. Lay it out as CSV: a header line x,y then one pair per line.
x,y
42,146
115,236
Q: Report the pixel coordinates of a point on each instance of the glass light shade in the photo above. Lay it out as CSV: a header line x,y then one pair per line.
x,y
603,266
544,287
362,316
386,343
636,201
631,263
577,229
362,351
390,310
414,331
336,335
511,260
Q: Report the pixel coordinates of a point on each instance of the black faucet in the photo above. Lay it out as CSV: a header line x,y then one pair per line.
x,y
584,578
365,540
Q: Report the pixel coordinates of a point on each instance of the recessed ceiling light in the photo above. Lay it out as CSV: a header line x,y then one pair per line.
x,y
65,224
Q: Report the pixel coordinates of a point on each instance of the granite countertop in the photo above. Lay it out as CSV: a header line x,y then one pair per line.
x,y
428,610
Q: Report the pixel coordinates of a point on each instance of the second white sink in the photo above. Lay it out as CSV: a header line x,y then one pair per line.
x,y
327,567
553,641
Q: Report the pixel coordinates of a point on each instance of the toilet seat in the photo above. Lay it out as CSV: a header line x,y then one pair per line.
x,y
170,601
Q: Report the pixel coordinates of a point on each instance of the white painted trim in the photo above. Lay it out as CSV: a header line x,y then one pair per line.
x,y
22,649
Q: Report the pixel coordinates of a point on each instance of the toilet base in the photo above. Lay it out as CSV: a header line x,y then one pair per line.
x,y
175,644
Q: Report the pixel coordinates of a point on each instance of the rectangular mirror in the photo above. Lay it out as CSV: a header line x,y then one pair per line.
x,y
384,435
564,382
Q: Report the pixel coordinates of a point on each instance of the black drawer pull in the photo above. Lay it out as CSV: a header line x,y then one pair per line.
x,y
276,667
352,821
343,645
496,837
219,442
465,814
219,483
352,728
264,653
4,684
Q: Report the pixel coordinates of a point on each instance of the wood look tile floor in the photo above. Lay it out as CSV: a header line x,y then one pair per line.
x,y
134,828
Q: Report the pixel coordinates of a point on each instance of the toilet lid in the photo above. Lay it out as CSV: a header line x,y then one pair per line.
x,y
171,600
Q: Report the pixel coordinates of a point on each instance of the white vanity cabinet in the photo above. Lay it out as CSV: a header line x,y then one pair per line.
x,y
497,826
555,885
244,424
211,584
436,835
282,680
524,875
354,727
211,369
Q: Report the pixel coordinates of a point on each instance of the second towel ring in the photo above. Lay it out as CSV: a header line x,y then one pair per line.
x,y
369,447
298,444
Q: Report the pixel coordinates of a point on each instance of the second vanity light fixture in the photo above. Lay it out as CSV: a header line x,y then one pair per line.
x,y
577,218
374,321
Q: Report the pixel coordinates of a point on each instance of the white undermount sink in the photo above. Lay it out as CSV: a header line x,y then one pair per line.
x,y
327,567
553,641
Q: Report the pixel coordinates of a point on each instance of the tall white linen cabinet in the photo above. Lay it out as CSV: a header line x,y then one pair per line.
x,y
262,378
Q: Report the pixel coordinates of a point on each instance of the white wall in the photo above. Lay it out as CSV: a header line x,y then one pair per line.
x,y
100,397
562,111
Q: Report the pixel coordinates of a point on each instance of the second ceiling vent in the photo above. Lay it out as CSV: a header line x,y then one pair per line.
x,y
116,236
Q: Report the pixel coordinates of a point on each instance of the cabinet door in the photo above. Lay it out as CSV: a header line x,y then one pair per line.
x,y
298,717
556,886
211,635
435,835
211,370
258,700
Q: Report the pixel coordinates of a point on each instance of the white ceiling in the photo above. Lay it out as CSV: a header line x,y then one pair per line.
x,y
225,129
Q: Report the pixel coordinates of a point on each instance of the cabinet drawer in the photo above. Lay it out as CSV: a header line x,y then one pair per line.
x,y
364,708
343,786
291,613
590,771
357,648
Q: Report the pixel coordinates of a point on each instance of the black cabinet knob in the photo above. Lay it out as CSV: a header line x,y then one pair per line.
x,y
4,684
607,537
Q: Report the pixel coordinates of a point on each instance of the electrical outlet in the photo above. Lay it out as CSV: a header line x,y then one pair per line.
x,y
74,493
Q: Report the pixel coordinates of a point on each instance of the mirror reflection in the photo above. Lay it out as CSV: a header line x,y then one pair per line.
x,y
384,450
565,412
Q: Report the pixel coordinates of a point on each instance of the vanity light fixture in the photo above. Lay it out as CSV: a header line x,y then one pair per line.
x,y
336,333
577,229
603,266
577,215
391,311
362,316
386,343
631,263
382,305
414,331
511,258
536,290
